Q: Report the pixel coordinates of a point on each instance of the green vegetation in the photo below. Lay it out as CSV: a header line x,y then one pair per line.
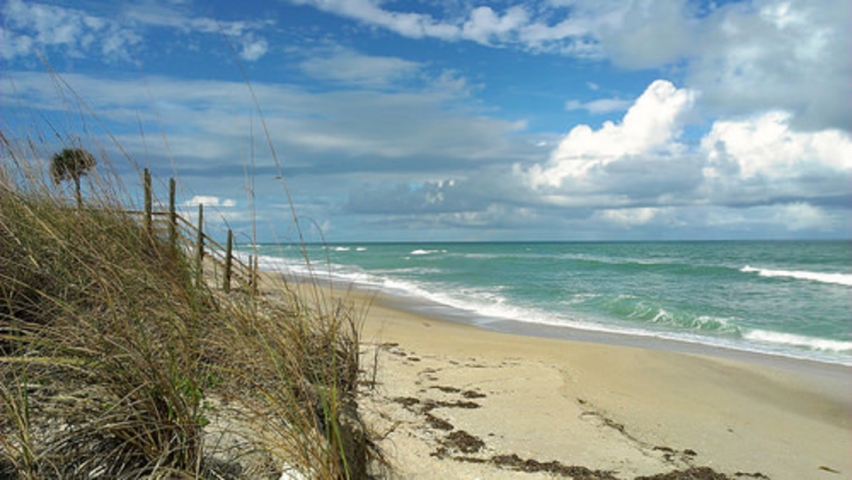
x,y
72,164
115,363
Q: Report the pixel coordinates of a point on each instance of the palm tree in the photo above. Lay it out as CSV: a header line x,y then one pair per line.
x,y
71,164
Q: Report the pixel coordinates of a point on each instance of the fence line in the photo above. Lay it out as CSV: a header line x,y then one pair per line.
x,y
179,229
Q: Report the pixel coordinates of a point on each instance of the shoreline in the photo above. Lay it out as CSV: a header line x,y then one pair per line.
x,y
430,308
458,401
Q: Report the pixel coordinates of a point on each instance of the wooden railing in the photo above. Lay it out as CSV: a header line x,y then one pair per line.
x,y
181,233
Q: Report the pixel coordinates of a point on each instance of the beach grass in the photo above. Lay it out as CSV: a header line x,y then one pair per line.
x,y
116,363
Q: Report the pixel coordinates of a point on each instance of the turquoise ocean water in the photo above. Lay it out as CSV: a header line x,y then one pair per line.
x,y
783,298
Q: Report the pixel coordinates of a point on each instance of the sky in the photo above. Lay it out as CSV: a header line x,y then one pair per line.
x,y
579,120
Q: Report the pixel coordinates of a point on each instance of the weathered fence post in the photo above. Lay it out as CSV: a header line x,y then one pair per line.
x,y
251,279
251,274
255,277
199,246
148,202
172,216
226,281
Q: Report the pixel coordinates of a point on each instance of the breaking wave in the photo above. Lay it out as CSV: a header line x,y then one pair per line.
x,y
822,277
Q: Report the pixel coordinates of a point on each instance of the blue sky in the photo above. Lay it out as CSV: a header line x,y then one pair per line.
x,y
455,120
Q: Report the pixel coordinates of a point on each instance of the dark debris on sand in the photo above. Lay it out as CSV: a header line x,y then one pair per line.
x,y
701,473
463,442
514,462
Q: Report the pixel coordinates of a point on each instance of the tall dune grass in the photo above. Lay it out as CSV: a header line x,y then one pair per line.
x,y
114,363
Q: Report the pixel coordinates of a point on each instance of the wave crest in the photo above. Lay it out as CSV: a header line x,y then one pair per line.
x,y
812,343
822,277
420,251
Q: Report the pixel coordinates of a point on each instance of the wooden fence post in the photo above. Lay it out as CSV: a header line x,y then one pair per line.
x,y
226,281
148,202
199,246
172,216
251,274
255,277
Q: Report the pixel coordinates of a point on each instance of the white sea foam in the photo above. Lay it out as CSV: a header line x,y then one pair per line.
x,y
483,305
420,251
579,298
586,257
406,271
341,249
361,249
812,343
836,278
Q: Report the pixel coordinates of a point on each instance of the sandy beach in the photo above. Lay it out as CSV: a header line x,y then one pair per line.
x,y
456,401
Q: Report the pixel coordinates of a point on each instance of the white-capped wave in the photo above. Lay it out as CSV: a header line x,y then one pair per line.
x,y
579,298
812,343
420,251
706,323
485,305
406,271
836,278
276,264
341,249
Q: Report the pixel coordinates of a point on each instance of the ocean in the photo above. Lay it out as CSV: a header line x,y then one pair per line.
x,y
787,298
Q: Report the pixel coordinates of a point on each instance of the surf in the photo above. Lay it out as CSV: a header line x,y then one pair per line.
x,y
822,277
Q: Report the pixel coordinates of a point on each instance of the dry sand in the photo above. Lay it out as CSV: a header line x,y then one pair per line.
x,y
448,397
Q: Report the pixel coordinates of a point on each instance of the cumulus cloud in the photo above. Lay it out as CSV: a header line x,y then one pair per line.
x,y
767,147
647,128
636,171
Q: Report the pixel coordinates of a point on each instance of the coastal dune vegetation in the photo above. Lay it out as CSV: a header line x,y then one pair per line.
x,y
116,362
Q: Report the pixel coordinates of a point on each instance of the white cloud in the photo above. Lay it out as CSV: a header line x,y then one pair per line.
x,y
484,25
755,55
744,172
350,67
628,217
210,201
413,25
648,127
30,28
649,33
780,55
802,216
599,106
159,15
244,34
514,26
252,49
766,146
